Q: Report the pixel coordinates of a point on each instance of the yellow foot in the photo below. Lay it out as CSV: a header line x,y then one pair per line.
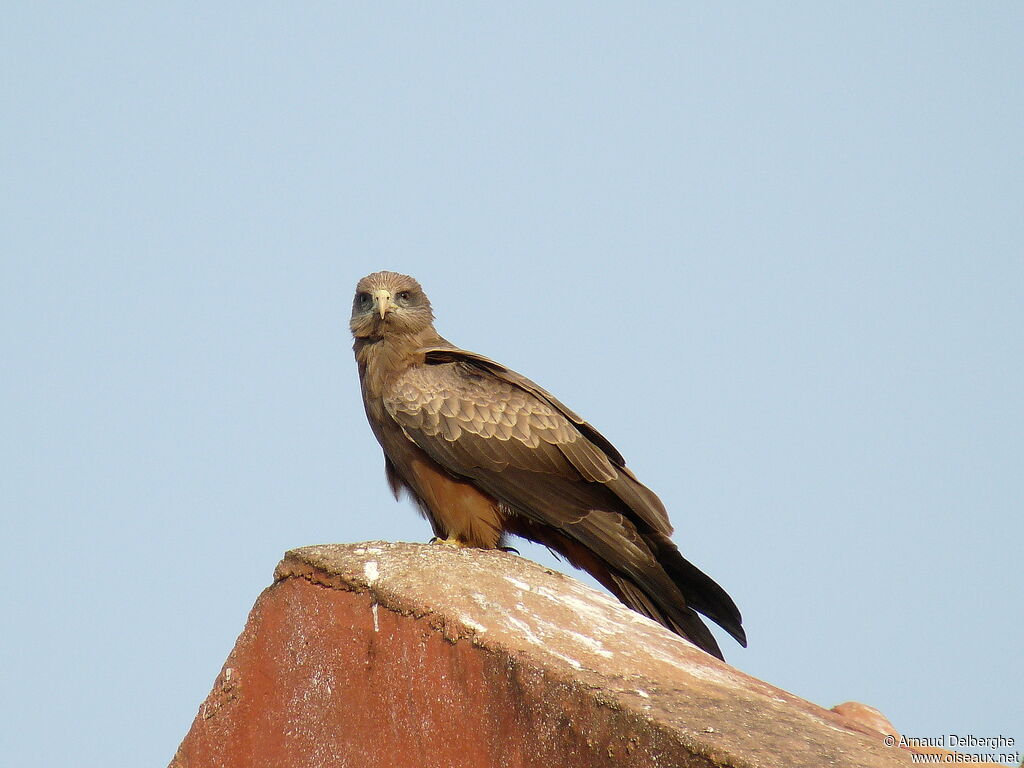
x,y
451,542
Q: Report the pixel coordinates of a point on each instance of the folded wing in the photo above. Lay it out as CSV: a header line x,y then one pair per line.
x,y
567,485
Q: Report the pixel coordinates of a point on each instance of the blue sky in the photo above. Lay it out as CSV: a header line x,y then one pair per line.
x,y
773,253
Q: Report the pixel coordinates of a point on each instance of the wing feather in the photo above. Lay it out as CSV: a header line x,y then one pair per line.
x,y
589,452
521,449
518,443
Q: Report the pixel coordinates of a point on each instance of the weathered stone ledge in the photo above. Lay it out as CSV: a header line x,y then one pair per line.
x,y
384,654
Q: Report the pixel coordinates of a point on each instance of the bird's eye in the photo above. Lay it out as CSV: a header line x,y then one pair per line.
x,y
363,298
404,295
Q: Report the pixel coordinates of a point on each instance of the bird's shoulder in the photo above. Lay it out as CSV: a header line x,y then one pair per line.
x,y
455,396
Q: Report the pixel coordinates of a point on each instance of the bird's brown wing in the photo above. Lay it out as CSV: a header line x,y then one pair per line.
x,y
593,456
483,422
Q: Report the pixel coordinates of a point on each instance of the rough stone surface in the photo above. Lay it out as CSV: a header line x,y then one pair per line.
x,y
867,716
422,655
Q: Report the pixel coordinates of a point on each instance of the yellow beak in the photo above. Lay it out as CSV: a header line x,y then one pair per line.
x,y
382,300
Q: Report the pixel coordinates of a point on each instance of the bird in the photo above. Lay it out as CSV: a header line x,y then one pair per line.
x,y
485,453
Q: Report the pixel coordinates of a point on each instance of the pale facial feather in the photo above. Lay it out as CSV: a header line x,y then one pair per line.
x,y
408,309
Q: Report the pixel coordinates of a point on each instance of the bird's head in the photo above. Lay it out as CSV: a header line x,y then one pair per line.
x,y
386,303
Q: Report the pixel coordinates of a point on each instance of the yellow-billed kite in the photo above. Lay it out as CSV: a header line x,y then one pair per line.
x,y
485,452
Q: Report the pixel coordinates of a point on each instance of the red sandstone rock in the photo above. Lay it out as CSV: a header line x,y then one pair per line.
x,y
867,717
417,655
870,720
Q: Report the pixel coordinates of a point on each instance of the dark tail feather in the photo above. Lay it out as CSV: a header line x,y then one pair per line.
x,y
657,599
701,592
682,621
657,583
